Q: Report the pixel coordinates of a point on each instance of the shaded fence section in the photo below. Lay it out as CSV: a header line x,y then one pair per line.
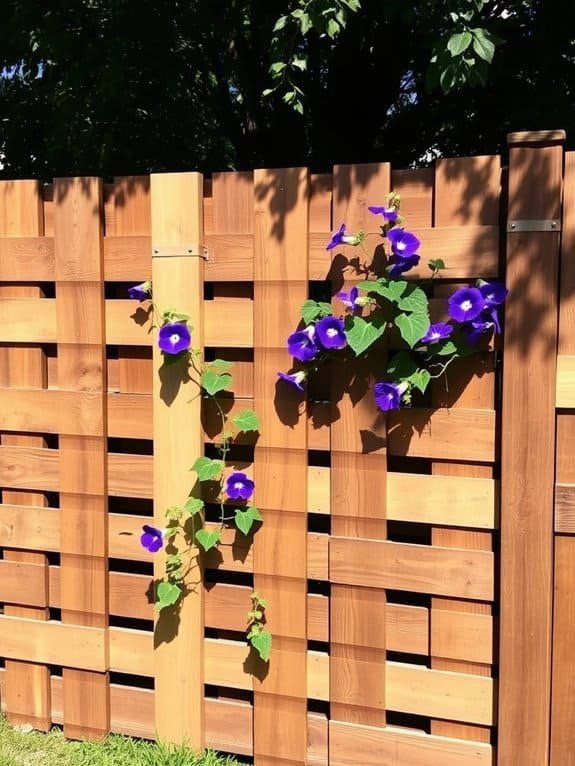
x,y
379,554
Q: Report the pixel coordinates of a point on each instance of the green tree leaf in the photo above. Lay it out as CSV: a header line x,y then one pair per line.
x,y
420,380
310,311
207,469
483,45
361,334
414,299
445,348
213,382
167,594
244,521
207,539
194,505
246,420
459,42
412,327
262,643
436,264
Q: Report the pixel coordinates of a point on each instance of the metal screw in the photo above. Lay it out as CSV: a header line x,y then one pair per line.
x,y
513,225
553,224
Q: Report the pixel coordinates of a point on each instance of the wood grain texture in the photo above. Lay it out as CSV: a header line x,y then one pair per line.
x,y
82,451
176,200
280,546
357,480
419,568
467,192
365,746
27,685
529,384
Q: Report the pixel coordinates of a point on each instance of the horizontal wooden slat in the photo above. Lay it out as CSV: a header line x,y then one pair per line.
x,y
29,528
421,568
27,320
32,468
468,251
74,413
26,259
462,636
127,259
409,688
53,643
127,325
565,395
354,745
444,434
23,584
442,500
565,508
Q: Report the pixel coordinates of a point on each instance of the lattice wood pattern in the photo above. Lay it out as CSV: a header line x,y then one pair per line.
x,y
379,552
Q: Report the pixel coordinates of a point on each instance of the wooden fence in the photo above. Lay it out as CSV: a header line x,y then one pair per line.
x,y
412,564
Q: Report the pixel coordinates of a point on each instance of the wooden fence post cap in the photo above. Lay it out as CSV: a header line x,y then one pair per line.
x,y
536,137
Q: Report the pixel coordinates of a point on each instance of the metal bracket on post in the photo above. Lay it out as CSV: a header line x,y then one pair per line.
x,y
543,224
179,251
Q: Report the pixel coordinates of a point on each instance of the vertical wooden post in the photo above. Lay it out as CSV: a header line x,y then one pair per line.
x,y
477,181
528,446
358,482
177,277
78,217
280,471
27,686
563,685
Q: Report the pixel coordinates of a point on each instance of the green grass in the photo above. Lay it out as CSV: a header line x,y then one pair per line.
x,y
18,748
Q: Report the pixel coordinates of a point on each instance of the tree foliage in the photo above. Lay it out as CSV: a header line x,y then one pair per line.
x,y
129,87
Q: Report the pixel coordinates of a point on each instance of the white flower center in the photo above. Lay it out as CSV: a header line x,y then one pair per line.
x,y
238,485
436,335
174,338
401,245
331,332
466,305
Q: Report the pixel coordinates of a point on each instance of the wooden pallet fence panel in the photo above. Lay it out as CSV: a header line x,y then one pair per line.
x,y
357,475
280,546
78,217
529,384
177,223
27,685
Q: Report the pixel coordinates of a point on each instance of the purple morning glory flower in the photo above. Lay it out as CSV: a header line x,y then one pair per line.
x,y
296,379
465,304
388,395
437,332
340,237
302,345
488,320
403,243
152,538
389,213
239,486
140,292
400,265
494,293
352,300
174,337
330,332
